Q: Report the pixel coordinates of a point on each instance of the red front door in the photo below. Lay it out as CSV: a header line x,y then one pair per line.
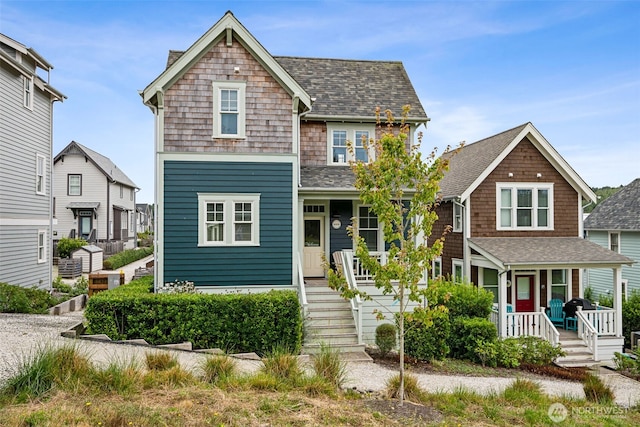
x,y
524,293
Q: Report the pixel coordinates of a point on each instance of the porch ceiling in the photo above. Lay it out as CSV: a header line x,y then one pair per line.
x,y
546,252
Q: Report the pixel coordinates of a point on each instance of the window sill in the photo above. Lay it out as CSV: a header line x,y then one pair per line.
x,y
227,245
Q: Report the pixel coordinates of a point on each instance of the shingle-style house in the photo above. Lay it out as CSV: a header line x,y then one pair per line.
x,y
26,116
253,186
515,206
94,199
615,224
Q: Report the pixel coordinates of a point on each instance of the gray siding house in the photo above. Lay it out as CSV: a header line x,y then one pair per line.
x,y
94,199
615,224
26,117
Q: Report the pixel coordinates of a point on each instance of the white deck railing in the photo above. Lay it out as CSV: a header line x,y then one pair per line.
x,y
588,332
356,302
303,292
603,320
535,324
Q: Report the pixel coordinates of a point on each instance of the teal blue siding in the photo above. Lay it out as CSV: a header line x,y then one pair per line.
x,y
267,264
601,280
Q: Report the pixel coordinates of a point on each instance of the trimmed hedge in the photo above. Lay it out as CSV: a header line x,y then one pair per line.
x,y
462,299
427,334
125,257
232,322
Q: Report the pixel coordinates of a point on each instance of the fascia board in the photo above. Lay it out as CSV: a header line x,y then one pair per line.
x,y
215,34
360,119
45,87
487,255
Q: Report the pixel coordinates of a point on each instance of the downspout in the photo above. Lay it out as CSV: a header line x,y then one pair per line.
x,y
108,211
298,233
50,234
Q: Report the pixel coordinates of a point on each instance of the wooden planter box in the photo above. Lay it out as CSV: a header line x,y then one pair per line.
x,y
69,268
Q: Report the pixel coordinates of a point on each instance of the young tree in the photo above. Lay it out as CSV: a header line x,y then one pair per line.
x,y
401,188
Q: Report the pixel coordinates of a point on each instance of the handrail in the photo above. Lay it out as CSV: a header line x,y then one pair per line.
x,y
535,324
588,333
303,291
603,320
356,302
550,331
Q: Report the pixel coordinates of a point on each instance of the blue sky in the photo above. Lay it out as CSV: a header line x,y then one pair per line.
x,y
571,68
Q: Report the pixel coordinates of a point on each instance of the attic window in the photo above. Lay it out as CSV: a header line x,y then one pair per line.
x,y
229,109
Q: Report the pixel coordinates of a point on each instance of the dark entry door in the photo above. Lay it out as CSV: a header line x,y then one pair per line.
x,y
85,224
524,293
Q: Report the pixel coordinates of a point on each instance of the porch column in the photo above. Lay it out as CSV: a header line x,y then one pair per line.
x,y
617,299
502,304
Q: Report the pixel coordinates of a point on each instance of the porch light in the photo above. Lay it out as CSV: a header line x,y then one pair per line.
x,y
538,175
510,174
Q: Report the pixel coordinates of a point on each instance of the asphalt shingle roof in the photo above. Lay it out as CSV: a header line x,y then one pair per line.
x,y
102,162
354,88
618,212
329,177
349,88
472,160
575,251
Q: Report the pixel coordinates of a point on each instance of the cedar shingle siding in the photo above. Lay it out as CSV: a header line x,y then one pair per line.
x,y
525,161
189,106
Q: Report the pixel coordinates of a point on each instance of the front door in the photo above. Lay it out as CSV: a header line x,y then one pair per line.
x,y
85,225
313,246
524,293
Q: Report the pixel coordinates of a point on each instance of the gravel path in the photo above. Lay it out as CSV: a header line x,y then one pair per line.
x,y
21,334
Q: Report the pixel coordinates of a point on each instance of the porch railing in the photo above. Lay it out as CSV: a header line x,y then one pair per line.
x,y
356,302
603,320
303,291
588,333
535,324
359,272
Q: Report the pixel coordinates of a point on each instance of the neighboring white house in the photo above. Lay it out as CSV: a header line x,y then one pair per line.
x,y
26,114
93,198
615,224
144,217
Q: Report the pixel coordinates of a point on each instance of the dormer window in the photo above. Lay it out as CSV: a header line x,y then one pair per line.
x,y
340,135
524,206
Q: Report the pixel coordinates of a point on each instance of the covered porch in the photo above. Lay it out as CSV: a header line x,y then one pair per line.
x,y
532,271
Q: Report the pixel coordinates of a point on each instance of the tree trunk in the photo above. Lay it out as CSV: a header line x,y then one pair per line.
x,y
401,333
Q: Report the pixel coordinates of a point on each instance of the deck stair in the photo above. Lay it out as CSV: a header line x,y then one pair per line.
x,y
330,322
578,354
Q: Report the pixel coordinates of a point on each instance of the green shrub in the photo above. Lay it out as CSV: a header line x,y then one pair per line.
x,y
461,299
537,351
509,352
125,257
468,333
630,316
16,299
427,333
66,246
386,338
239,322
487,353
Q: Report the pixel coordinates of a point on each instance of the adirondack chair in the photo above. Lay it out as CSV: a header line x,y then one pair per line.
x,y
555,313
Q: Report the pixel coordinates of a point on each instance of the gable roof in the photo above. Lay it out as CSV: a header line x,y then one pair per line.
x,y
349,89
620,211
227,26
470,165
103,163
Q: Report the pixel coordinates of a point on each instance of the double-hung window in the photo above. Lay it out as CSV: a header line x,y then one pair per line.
x,y
229,109
368,227
42,242
457,217
524,206
457,268
74,187
40,174
229,219
614,242
559,284
28,92
339,138
436,268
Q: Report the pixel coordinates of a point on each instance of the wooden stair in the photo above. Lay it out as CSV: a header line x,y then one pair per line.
x,y
330,322
578,354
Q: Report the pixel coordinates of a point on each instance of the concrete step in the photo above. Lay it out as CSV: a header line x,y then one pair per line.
x,y
582,363
348,352
315,329
327,321
326,303
334,339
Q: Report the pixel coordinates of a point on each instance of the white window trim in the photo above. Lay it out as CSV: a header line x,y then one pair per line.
x,y
43,258
514,186
69,184
240,86
456,262
350,129
550,284
228,199
458,218
379,238
43,174
617,233
434,262
27,86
